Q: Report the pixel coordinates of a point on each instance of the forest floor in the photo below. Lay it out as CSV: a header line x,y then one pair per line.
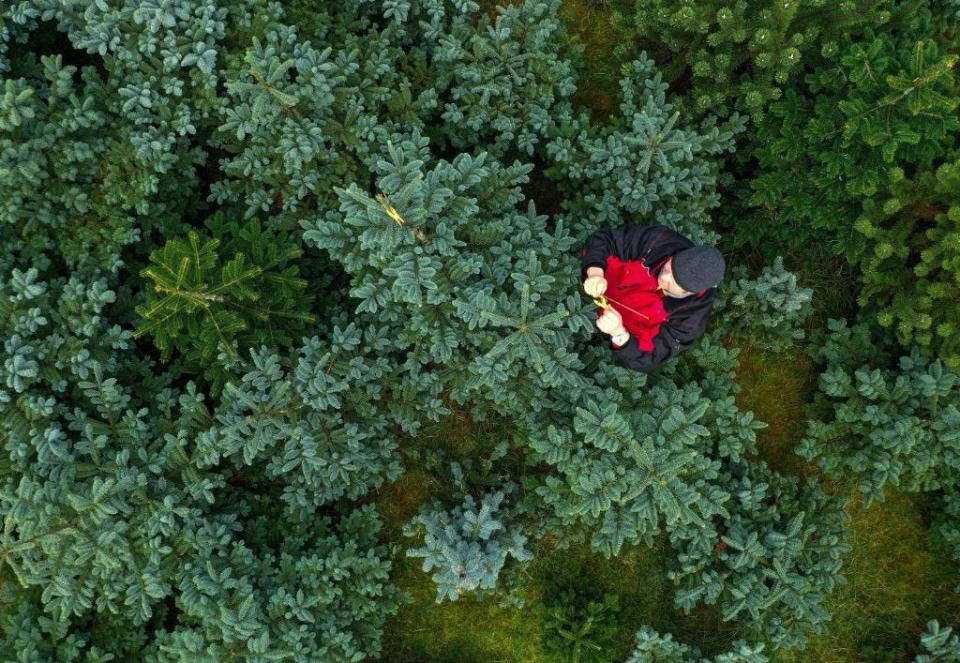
x,y
896,579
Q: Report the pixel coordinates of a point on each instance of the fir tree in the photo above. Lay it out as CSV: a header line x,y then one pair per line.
x,y
774,558
579,629
53,139
919,268
160,62
625,478
736,54
509,79
646,165
206,299
652,647
320,430
883,425
111,510
434,265
767,311
940,645
467,545
297,589
863,155
710,373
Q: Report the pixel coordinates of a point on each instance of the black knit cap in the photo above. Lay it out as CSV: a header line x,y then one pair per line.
x,y
697,268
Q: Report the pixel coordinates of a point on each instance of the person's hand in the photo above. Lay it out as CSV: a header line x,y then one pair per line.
x,y
610,322
595,285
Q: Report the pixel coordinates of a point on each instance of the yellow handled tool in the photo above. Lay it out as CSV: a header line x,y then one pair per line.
x,y
603,303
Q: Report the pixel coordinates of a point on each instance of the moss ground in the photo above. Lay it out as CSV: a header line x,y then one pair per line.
x,y
599,84
466,631
896,582
775,386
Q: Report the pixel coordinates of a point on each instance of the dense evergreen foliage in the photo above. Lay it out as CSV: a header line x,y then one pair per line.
x,y
739,53
250,250
898,426
873,140
204,297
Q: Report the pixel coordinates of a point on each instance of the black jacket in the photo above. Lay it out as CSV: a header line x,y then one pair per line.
x,y
688,317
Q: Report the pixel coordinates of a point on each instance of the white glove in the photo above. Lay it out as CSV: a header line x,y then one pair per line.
x,y
610,322
595,286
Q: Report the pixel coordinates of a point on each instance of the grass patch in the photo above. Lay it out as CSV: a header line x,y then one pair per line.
x,y
464,631
599,69
895,584
400,500
776,386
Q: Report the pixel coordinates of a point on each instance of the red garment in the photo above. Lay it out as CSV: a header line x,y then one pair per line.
x,y
633,285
